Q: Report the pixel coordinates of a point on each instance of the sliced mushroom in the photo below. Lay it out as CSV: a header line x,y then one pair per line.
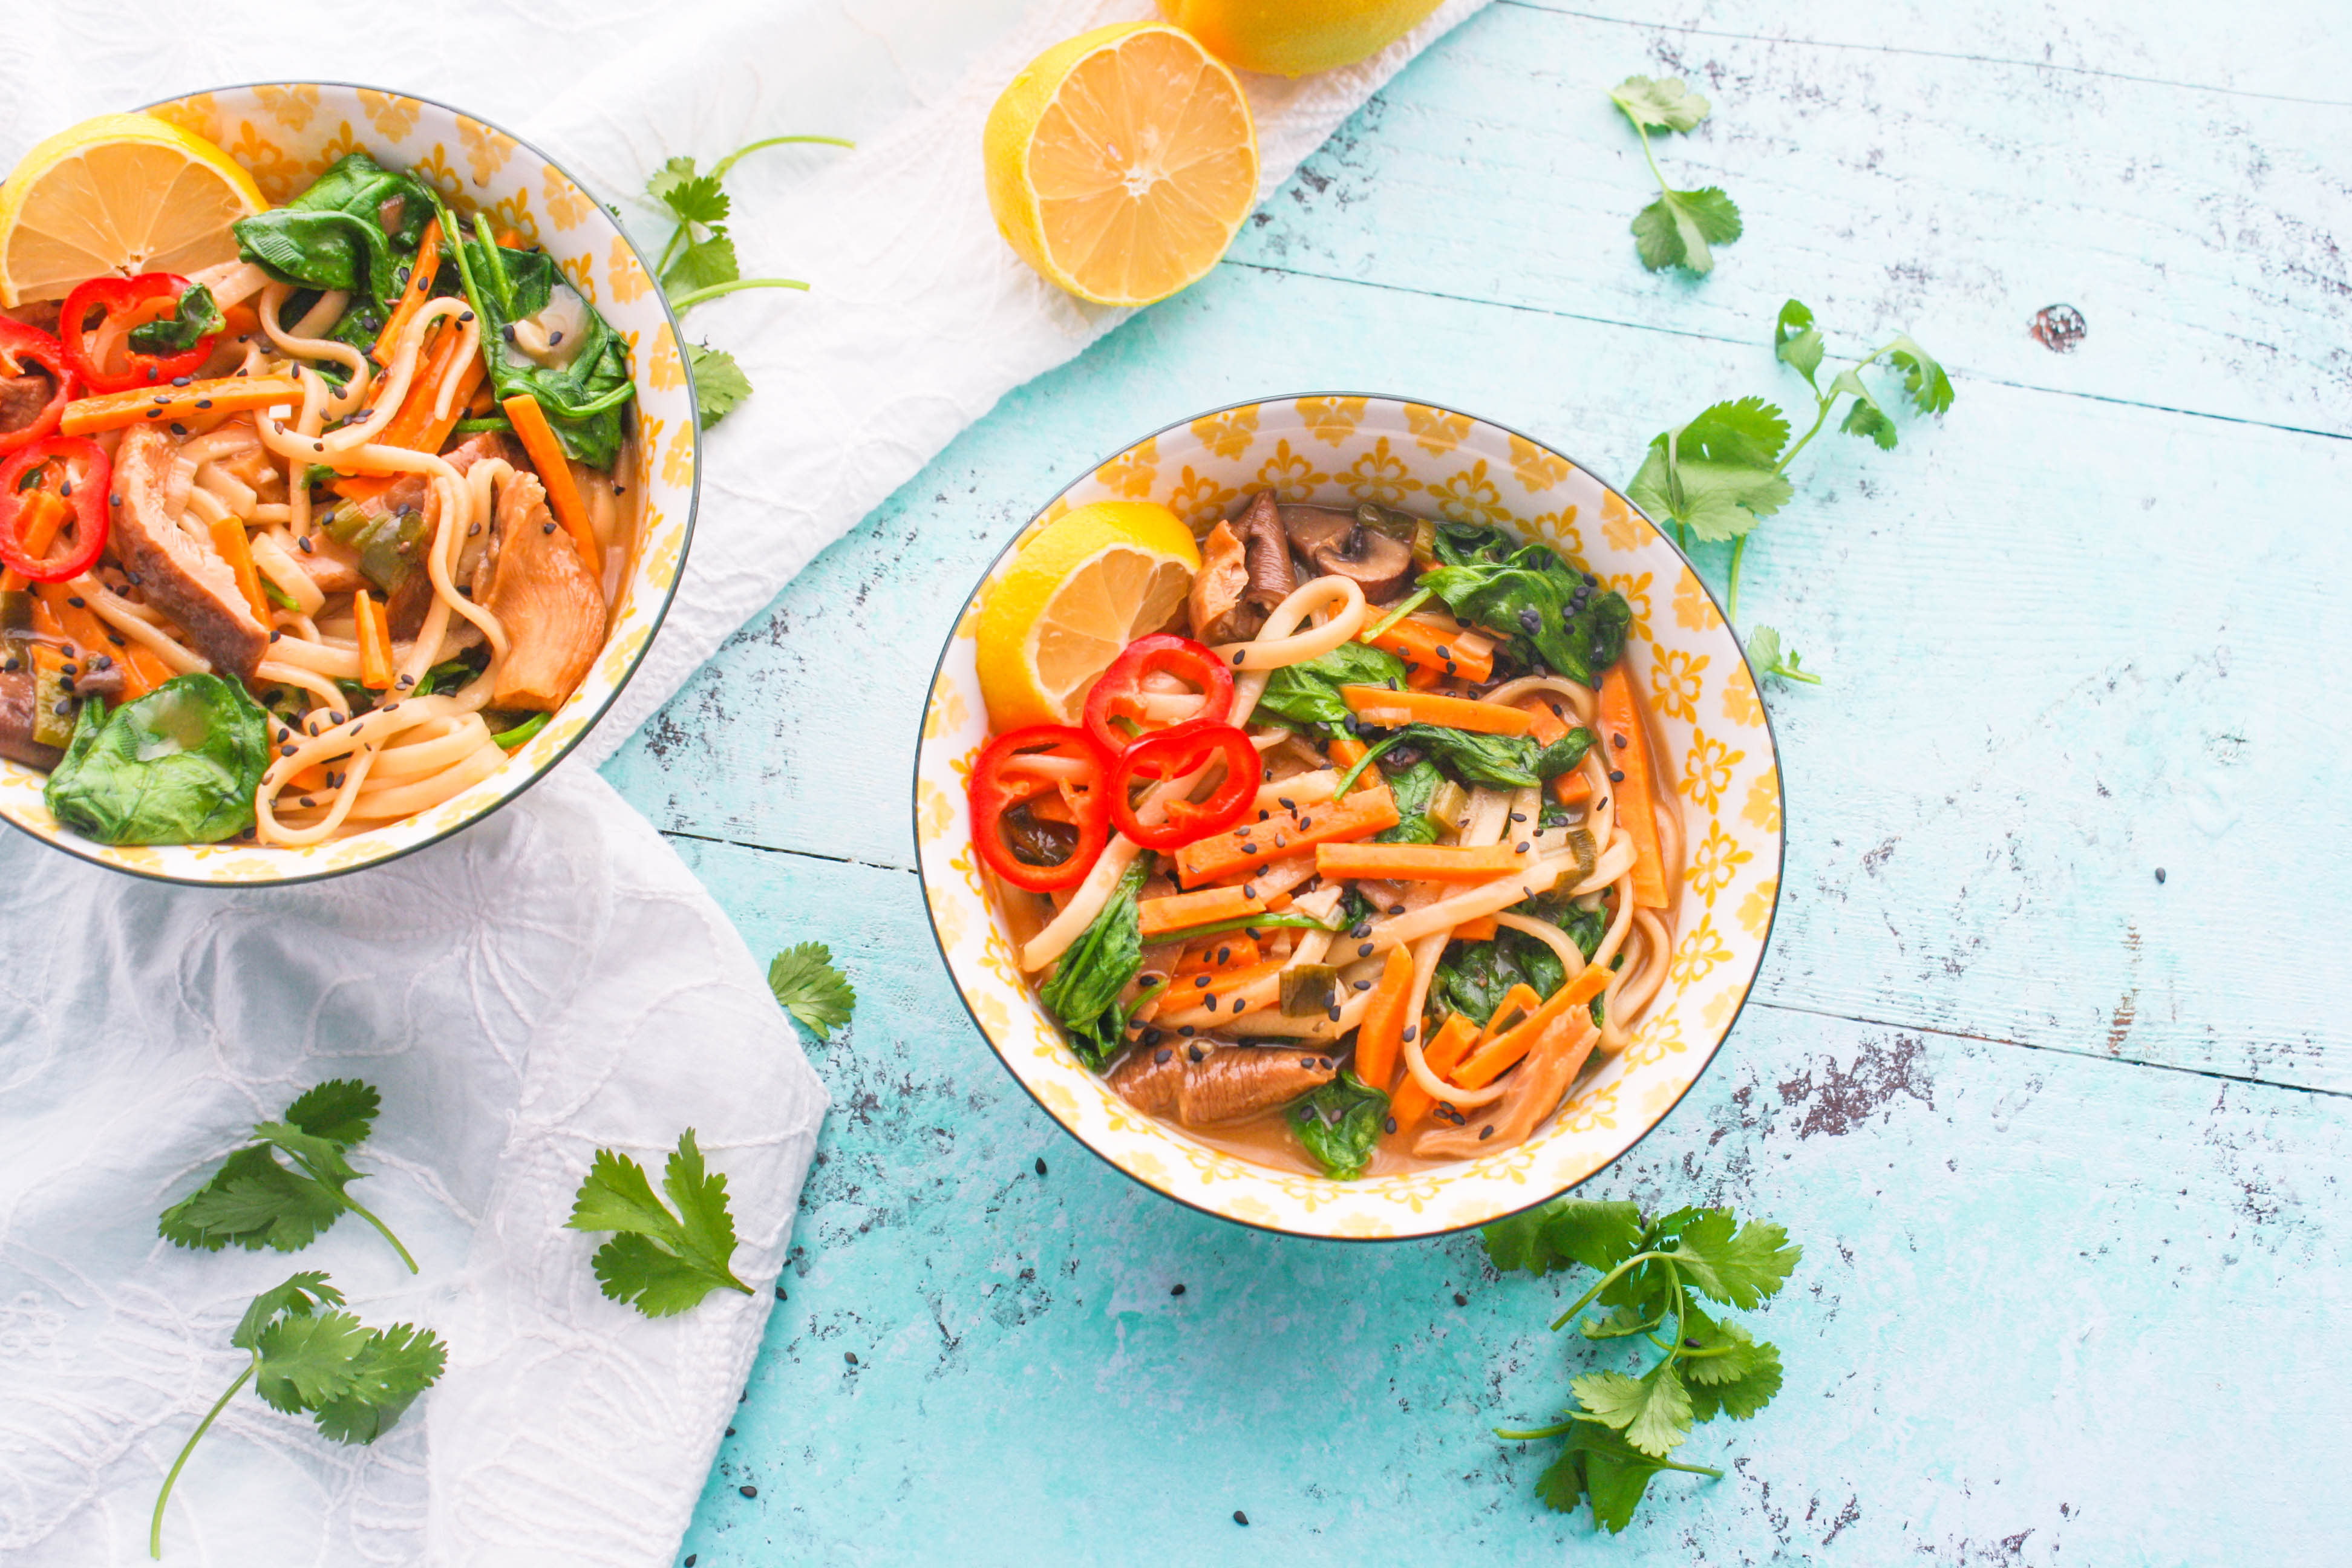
x,y
1338,544
18,739
540,592
1271,578
1204,1082
1219,611
179,575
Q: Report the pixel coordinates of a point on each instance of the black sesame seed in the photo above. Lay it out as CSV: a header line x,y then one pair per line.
x,y
1237,1005
1249,892
1387,1124
851,1356
1396,908
1151,1036
1333,1014
1518,816
1041,1164
304,541
1240,1518
1364,951
64,709
286,751
1488,1132
547,528
1194,1053
1224,955
1186,1030
781,1296
2160,873
1460,1300
179,381
1363,986
204,403
1411,1030
1176,1289
749,1491
1446,653
465,316
1201,980
1616,776
1523,846
78,601
1618,742
1161,1057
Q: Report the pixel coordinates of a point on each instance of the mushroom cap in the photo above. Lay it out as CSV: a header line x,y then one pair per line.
x,y
1271,578
1338,544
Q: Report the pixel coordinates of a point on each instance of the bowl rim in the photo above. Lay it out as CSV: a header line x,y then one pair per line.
x,y
931,919
71,843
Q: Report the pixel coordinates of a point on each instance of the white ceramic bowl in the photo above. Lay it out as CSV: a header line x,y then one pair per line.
x,y
1716,741
286,134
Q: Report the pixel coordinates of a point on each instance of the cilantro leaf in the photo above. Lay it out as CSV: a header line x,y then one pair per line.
x,y
811,989
1564,1231
689,196
1718,475
1616,1323
255,1201
719,383
701,265
1742,1266
309,1355
1764,647
1652,105
1923,378
1677,229
1797,341
1865,418
664,1261
1653,1411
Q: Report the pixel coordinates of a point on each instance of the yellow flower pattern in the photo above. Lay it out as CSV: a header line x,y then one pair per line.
x,y
1636,589
566,205
433,169
1675,682
1706,769
514,213
341,145
630,283
1332,419
1291,476
662,368
391,114
486,148
1469,496
1436,431
292,107
1692,610
278,175
1697,953
1715,860
1739,703
1535,467
581,272
1763,804
1130,474
1381,476
1620,524
1200,500
1756,908
199,113
1559,527
1227,434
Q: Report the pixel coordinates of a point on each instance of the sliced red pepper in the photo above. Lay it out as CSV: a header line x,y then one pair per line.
x,y
994,791
81,485
20,346
1118,693
115,297
1172,753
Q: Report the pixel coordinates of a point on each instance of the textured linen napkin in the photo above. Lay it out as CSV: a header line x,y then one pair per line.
x,y
551,980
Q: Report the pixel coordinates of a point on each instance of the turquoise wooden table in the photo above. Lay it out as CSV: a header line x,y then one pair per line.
x,y
2049,1063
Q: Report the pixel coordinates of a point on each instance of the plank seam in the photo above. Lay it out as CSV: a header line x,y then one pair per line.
x,y
1929,55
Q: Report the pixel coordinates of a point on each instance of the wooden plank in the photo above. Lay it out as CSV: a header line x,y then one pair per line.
x,y
2067,642
2021,1267
2203,236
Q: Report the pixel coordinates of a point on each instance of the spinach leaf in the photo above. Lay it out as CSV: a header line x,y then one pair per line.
x,y
198,317
1412,789
348,231
1547,612
1309,692
177,766
1084,992
1340,1125
582,398
1500,761
1473,977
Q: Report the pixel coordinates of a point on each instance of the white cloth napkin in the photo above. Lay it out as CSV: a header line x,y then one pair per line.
x,y
551,980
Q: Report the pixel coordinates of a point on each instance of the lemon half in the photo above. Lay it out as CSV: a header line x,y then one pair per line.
x,y
121,193
1084,587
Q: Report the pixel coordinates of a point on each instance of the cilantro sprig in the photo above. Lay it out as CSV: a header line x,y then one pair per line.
x,y
308,1357
1716,477
698,262
1652,1274
1680,229
256,1201
811,989
664,1260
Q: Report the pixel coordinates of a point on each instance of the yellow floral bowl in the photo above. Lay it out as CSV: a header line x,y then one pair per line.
x,y
1716,742
286,134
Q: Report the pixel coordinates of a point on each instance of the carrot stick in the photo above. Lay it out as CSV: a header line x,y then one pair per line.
x,y
1445,1049
1504,1051
1483,928
1442,646
79,626
375,642
1519,1003
1417,862
420,289
1239,950
1345,751
1378,705
414,427
223,395
1287,833
1628,753
1379,1037
1570,788
531,426
43,518
230,543
1180,910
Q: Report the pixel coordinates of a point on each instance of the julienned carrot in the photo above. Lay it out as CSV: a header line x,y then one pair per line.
x,y
1517,1004
1378,704
1628,752
1570,788
1285,833
414,426
1493,1057
223,395
531,428
1483,928
231,545
374,637
1379,1035
420,289
1443,647
42,519
1180,910
79,626
1345,751
1256,989
1417,862
1224,954
1443,1054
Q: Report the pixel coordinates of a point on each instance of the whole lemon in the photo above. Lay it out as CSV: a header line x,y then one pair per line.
x,y
1293,37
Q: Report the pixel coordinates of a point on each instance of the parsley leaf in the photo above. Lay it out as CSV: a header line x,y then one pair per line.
x,y
257,1201
811,989
1764,647
1680,228
664,1260
719,383
306,1355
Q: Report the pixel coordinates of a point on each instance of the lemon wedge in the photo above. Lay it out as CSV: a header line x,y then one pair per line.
x,y
1121,163
1292,38
121,193
1085,586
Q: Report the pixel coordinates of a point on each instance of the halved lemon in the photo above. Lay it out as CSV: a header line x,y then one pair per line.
x,y
1121,164
1292,38
1083,588
121,194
